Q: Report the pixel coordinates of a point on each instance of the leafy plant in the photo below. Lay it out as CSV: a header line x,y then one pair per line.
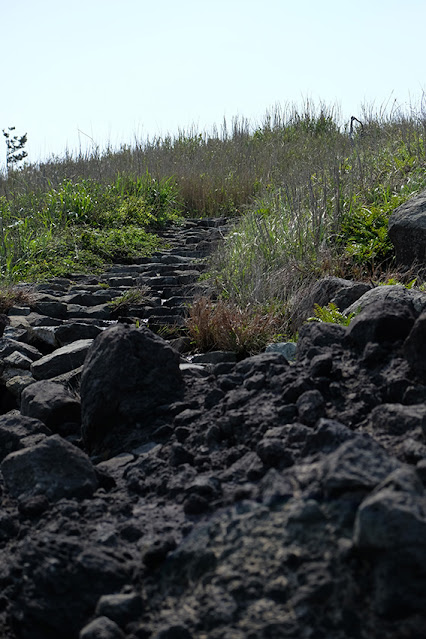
x,y
331,314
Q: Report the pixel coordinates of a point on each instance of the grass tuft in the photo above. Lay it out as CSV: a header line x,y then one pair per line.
x,y
221,325
14,296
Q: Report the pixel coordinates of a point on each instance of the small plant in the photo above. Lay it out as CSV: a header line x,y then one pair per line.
x,y
15,148
331,314
393,281
14,296
132,297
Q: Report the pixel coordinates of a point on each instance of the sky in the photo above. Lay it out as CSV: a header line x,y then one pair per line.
x,y
81,73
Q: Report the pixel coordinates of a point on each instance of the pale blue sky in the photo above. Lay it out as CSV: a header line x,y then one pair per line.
x,y
118,69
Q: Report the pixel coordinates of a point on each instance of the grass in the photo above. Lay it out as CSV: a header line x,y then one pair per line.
x,y
81,225
307,200
133,297
222,325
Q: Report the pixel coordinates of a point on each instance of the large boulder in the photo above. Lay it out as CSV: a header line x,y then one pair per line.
x,y
128,375
395,293
407,230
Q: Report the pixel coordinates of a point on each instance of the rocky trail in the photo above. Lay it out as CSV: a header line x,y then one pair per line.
x,y
148,497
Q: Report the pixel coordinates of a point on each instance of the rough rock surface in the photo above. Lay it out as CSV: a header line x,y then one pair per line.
x,y
407,230
225,499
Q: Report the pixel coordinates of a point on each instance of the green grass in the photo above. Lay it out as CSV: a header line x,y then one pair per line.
x,y
83,225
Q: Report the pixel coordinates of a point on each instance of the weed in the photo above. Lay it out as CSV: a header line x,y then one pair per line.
x,y
14,296
331,314
132,297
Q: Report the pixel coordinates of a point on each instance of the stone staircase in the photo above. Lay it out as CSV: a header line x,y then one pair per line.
x,y
49,338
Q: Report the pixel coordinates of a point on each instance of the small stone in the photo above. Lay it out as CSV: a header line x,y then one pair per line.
x,y
310,406
101,628
273,452
195,504
121,608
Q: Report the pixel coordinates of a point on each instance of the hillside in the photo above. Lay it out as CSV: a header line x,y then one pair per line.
x,y
310,196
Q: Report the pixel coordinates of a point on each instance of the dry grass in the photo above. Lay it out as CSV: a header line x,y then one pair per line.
x,y
14,296
222,325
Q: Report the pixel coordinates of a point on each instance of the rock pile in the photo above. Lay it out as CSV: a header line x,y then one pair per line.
x,y
162,499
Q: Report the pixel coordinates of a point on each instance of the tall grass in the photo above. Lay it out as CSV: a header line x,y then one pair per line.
x,y
325,207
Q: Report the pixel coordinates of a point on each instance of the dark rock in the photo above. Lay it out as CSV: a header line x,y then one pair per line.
x,y
62,360
32,507
4,321
415,347
9,527
174,631
9,346
54,468
326,437
386,321
214,357
195,504
326,289
208,487
310,406
273,452
394,516
129,373
73,331
321,365
14,428
54,568
392,522
157,551
121,608
99,312
50,306
18,360
392,294
348,295
274,489
51,403
180,455
101,628
407,230
359,464
320,334
261,363
211,511
397,419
